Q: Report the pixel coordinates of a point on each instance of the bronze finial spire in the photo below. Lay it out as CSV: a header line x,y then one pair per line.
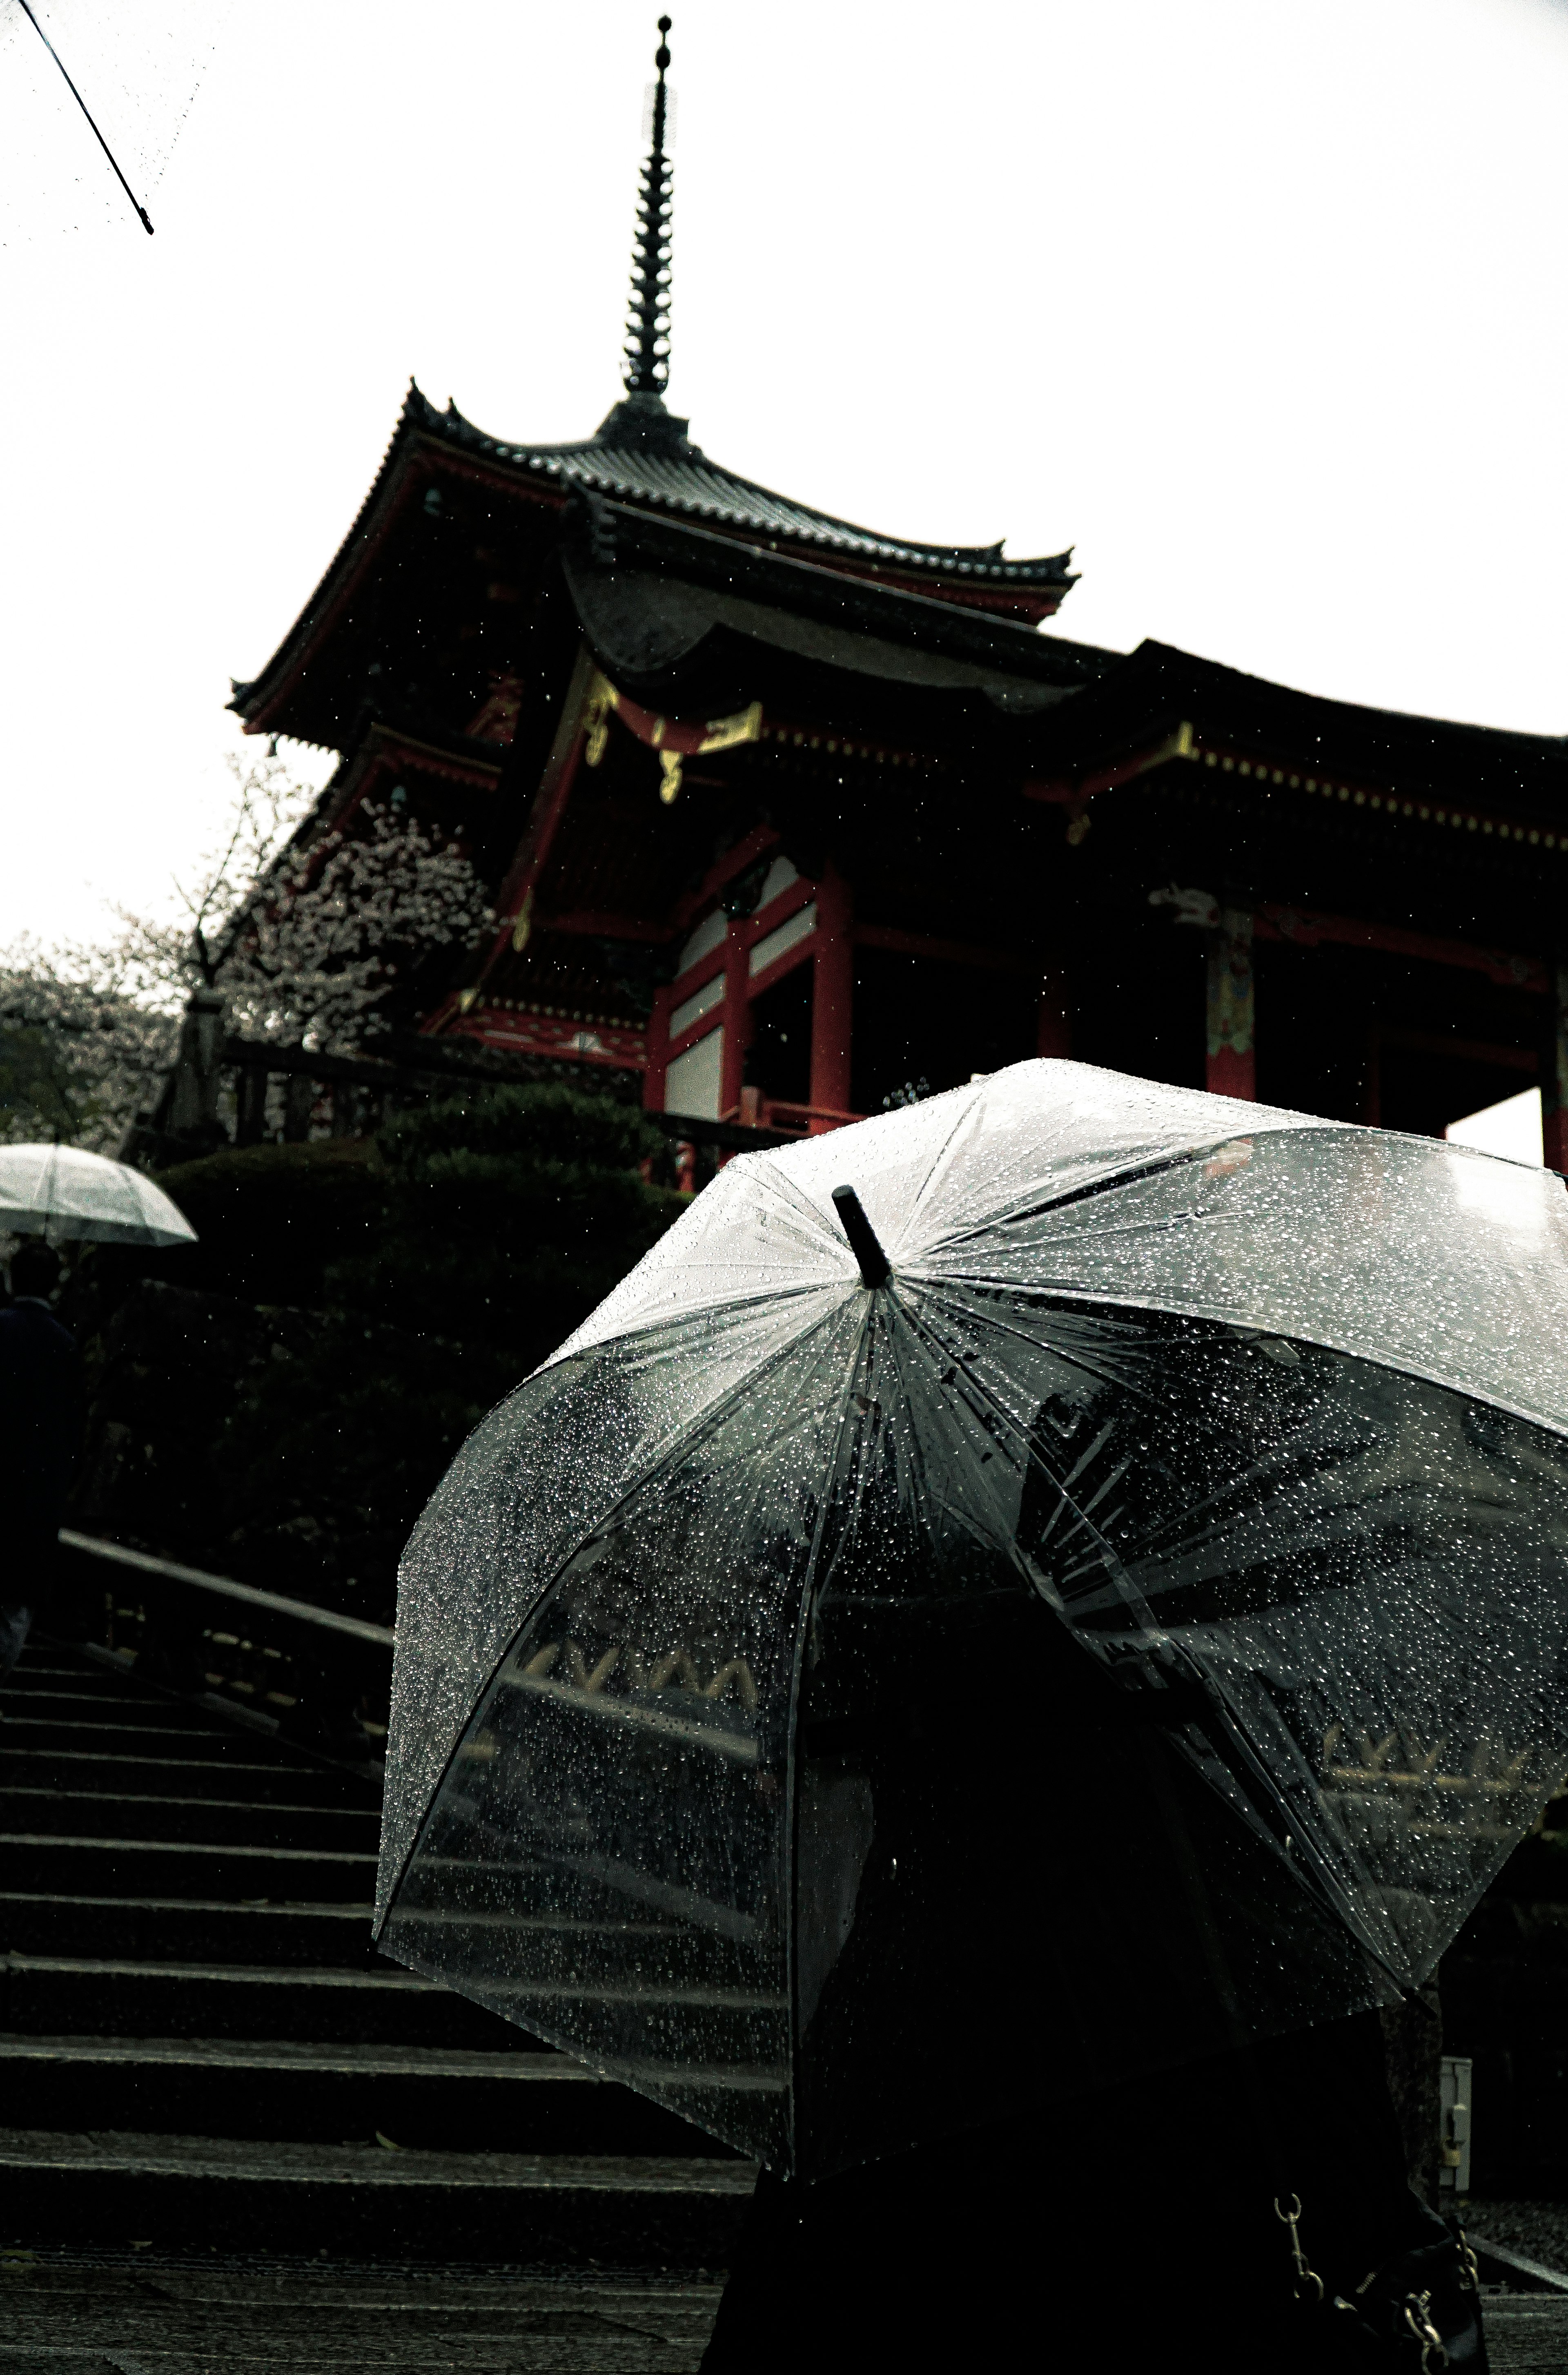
x,y
647,323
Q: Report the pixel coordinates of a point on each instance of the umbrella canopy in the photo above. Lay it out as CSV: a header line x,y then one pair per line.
x,y
63,1191
1116,1606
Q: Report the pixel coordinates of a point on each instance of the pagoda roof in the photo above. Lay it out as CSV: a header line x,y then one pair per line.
x,y
641,461
641,454
642,464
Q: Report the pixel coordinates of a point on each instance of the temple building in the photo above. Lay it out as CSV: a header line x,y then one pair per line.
x,y
788,820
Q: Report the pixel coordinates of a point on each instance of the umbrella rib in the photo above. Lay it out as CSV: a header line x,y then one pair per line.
x,y
1336,1900
573,1348
1107,1184
677,1449
938,1288
942,1154
81,102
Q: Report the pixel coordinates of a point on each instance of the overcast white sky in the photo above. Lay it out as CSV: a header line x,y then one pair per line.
x,y
1260,305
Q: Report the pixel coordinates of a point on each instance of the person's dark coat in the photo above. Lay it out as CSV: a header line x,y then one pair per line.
x,y
1121,2233
40,1434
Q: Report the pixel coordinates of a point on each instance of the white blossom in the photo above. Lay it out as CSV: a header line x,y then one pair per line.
x,y
82,1048
307,931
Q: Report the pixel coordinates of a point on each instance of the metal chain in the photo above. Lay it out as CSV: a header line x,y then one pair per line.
x,y
1417,2317
1309,2284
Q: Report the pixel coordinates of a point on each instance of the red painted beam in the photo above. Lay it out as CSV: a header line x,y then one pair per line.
x,y
515,900
737,1018
750,929
724,870
1305,928
537,1035
805,947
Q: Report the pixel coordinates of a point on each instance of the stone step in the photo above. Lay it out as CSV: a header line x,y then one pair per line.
x,y
552,1945
58,1994
84,1683
78,1813
199,2043
46,1663
121,2187
189,2314
172,1867
189,1930
53,1994
87,1734
133,1773
417,2096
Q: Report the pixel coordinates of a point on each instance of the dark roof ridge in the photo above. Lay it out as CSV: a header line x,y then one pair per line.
x,y
665,470
1159,654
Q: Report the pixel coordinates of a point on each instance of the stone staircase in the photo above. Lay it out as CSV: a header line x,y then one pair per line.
x,y
200,2050
233,2135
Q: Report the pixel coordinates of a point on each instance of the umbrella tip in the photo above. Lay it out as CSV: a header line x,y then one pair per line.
x,y
862,1237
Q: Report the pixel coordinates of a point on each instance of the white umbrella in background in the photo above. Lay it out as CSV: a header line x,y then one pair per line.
x,y
61,1191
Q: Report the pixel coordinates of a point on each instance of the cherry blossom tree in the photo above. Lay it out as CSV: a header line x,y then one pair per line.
x,y
308,930
81,1047
318,952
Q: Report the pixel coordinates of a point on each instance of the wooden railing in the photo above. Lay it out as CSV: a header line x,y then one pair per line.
x,y
320,1678
784,1116
254,1090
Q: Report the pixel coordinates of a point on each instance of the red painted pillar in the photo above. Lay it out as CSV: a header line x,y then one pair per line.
x,y
1555,1076
832,995
738,1017
1231,1068
1055,1029
657,1065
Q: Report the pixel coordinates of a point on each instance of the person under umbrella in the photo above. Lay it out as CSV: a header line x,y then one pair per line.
x,y
40,1425
1030,1647
74,1196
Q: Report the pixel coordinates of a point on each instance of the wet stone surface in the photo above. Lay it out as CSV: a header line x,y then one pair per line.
x,y
117,2315
130,2314
1539,2229
1526,2334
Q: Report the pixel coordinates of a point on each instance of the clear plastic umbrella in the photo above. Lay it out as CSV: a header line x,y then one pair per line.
x,y
1099,1591
63,1191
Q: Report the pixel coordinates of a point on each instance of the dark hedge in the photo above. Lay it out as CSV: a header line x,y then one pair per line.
x,y
277,1401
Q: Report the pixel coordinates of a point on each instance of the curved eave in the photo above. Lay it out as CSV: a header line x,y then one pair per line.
x,y
966,576
1303,736
264,700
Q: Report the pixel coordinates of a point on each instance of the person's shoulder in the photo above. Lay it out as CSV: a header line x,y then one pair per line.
x,y
26,1320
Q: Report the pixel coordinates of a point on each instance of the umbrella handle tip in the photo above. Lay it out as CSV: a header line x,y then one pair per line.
x,y
863,1240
